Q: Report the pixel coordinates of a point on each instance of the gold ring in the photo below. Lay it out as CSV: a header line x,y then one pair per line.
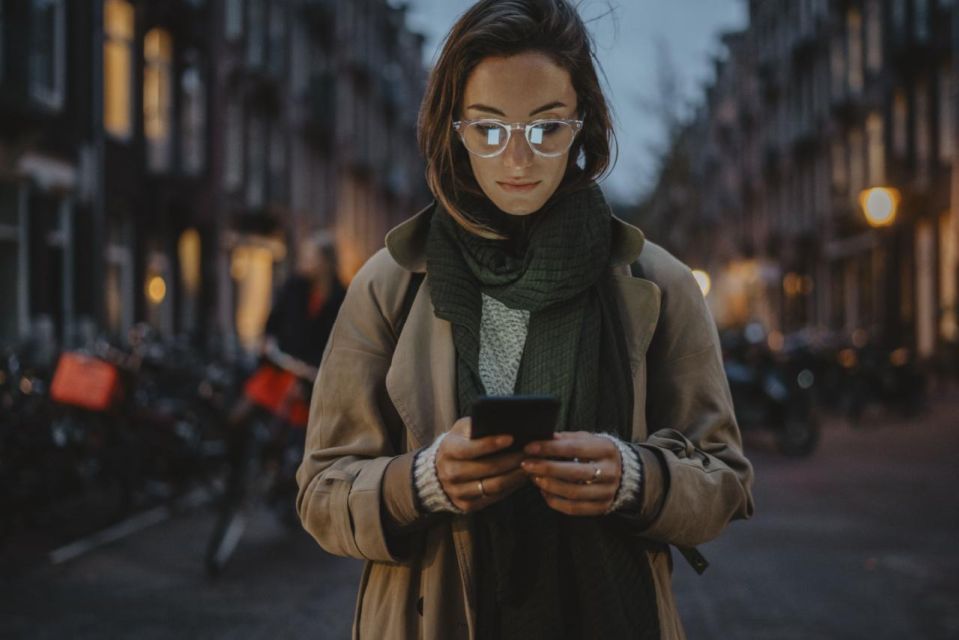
x,y
597,471
482,490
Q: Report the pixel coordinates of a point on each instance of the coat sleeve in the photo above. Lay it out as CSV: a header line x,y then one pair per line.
x,y
695,476
355,482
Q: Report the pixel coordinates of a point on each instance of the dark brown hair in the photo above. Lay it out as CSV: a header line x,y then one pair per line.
x,y
503,28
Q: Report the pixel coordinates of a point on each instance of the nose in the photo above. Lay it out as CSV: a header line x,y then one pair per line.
x,y
518,154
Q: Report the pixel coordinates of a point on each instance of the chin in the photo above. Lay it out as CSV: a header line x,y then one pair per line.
x,y
520,211
518,207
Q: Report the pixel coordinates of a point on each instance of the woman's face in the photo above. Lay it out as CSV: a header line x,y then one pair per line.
x,y
520,88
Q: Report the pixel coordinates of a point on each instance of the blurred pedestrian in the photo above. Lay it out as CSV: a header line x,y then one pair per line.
x,y
296,331
527,290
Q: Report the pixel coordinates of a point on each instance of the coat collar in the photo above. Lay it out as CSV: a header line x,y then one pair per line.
x,y
406,242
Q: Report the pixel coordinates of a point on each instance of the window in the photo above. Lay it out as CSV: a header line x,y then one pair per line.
x,y
900,119
118,68
921,20
48,52
157,97
839,177
873,36
256,161
854,31
254,35
857,175
947,116
278,173
233,19
189,252
899,17
2,43
12,275
875,150
837,67
948,262
193,121
233,163
278,37
922,130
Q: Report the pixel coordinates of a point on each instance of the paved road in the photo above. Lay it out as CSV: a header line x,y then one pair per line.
x,y
856,542
859,541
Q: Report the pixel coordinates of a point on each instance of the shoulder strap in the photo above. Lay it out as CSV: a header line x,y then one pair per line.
x,y
416,279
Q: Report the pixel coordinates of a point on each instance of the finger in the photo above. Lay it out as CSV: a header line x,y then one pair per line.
x,y
574,507
456,470
581,472
576,491
461,448
585,446
498,487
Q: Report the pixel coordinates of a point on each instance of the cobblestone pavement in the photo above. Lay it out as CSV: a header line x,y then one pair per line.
x,y
857,541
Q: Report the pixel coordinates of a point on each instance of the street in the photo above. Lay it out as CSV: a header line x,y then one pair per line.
x,y
857,541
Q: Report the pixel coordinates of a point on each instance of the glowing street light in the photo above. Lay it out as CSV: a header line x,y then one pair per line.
x,y
879,204
156,289
703,280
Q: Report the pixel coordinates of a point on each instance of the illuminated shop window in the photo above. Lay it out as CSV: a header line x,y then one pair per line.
x,y
157,97
118,68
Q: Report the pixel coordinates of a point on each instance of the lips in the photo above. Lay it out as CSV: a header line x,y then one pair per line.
x,y
518,187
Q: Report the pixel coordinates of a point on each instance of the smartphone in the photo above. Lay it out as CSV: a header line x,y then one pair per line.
x,y
526,418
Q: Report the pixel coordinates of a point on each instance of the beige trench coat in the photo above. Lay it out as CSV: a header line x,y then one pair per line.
x,y
381,396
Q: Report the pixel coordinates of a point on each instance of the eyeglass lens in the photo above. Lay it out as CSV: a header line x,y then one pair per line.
x,y
489,138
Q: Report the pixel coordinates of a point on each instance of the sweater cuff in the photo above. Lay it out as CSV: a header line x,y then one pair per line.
x,y
631,480
428,488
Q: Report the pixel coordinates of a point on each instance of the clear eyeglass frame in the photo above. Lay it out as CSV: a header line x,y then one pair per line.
x,y
526,127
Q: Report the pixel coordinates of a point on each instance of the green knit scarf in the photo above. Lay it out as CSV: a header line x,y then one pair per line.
x,y
542,574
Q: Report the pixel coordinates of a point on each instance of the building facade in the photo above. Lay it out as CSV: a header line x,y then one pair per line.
x,y
160,160
814,103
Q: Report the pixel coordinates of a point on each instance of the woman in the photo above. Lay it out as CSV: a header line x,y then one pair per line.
x,y
527,289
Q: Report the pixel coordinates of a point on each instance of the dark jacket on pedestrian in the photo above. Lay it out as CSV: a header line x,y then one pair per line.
x,y
300,331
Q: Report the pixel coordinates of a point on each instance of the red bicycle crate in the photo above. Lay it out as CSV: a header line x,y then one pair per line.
x,y
83,381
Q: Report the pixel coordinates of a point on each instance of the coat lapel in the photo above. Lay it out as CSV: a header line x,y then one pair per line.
x,y
422,375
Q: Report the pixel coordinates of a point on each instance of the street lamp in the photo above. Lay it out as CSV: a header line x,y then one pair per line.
x,y
879,204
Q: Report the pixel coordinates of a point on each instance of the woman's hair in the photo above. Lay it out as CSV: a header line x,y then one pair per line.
x,y
502,28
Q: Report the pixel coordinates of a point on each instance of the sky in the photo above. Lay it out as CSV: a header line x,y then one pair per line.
x,y
626,44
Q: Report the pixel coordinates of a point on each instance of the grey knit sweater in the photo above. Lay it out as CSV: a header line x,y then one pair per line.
x,y
502,337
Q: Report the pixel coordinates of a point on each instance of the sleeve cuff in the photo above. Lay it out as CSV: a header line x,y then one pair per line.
x,y
428,487
631,480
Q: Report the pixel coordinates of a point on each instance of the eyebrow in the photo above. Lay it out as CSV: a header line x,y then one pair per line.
x,y
545,107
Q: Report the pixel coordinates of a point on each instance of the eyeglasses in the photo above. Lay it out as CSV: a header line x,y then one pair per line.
x,y
489,138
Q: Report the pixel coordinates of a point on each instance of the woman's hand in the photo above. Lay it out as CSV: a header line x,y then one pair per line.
x,y
585,481
473,475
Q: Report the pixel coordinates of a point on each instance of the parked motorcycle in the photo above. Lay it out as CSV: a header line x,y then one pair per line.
x,y
771,392
885,377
